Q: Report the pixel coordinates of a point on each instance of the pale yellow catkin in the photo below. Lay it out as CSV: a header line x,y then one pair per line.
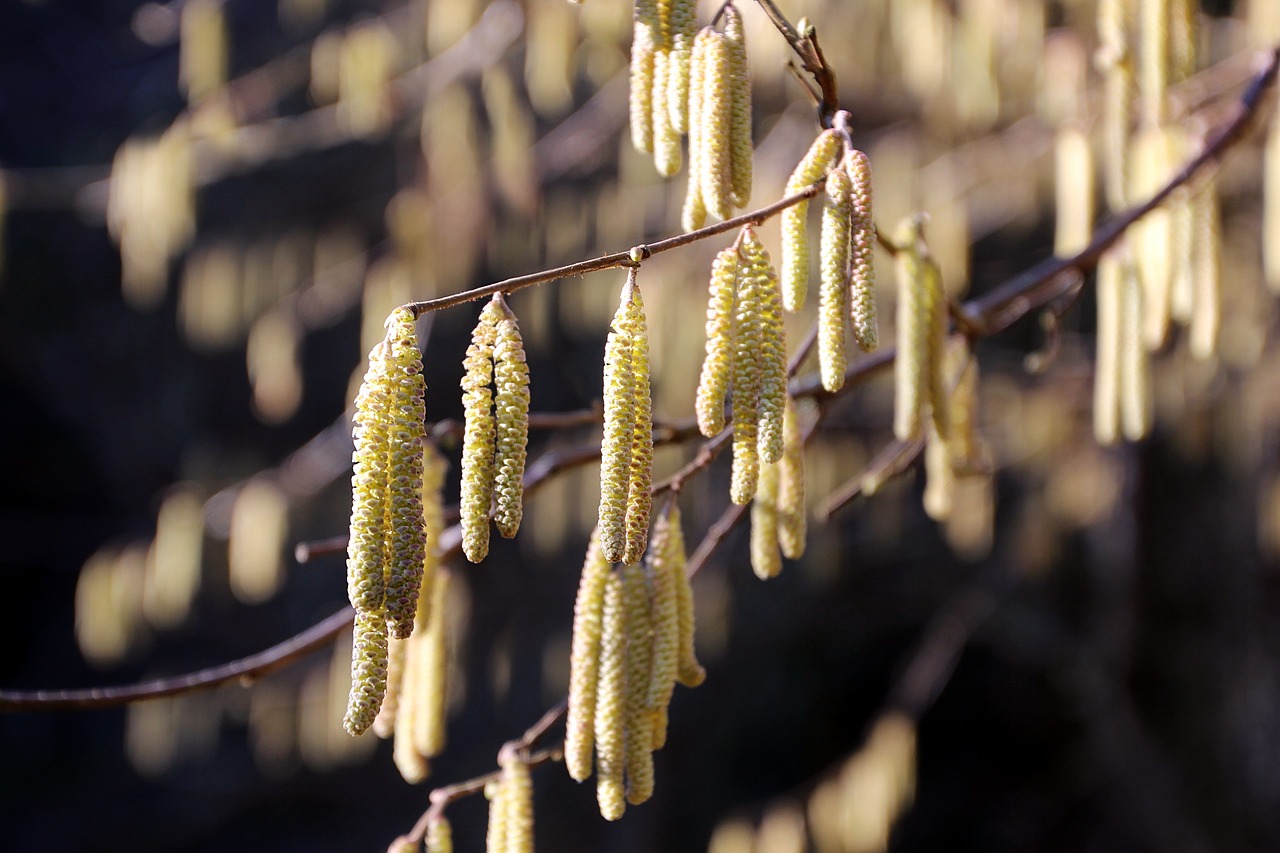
x,y
639,717
431,672
689,672
833,288
368,672
715,159
1271,205
517,803
439,836
511,418
1153,48
940,477
713,385
644,45
766,556
694,213
920,301
747,379
366,543
1073,191
862,248
1135,363
773,353
665,616
1106,375
1206,272
478,436
682,25
792,518
495,839
964,441
819,159
619,426
1151,238
666,139
611,700
584,662
640,477
384,724
1115,59
740,145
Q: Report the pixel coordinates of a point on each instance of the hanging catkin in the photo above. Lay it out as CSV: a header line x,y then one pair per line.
x,y
1206,270
646,34
1115,58
627,449
713,385
694,213
1106,375
511,418
773,347
611,699
369,658
584,662
747,378
439,836
813,167
666,619
682,27
766,556
1135,362
666,139
715,159
740,147
833,290
688,672
516,802
862,246
478,449
792,522
639,717
921,316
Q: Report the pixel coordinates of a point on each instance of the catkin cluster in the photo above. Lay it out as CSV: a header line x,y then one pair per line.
x,y
633,631
496,431
510,807
719,109
387,545
626,453
919,380
778,523
746,353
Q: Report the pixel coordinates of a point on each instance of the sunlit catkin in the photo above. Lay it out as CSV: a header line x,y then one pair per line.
x,y
689,672
439,835
640,477
1073,192
368,671
1151,238
740,146
429,661
495,838
1206,270
694,213
862,248
1115,58
665,616
1135,362
715,159
813,167
517,804
1153,50
385,723
639,717
773,346
833,290
713,385
644,43
666,139
682,25
202,54
611,699
584,662
511,419
1106,375
479,434
920,300
1271,205
766,557
792,521
747,378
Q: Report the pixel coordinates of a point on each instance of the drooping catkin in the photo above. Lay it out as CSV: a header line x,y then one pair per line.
x,y
1115,59
619,426
368,671
639,717
1153,49
773,349
862,247
833,289
920,301
584,662
1206,270
940,477
694,213
713,385
689,672
611,700
434,469
747,378
646,33
1151,238
1073,191
439,836
639,498
666,139
766,556
792,520
715,159
366,558
1271,205
740,146
511,418
517,805
816,163
665,615
478,436
385,723
1106,375
1135,362
495,838
682,26
431,672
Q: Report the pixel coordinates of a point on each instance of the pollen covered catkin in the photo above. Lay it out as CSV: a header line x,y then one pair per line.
x,y
792,521
688,672
439,836
1106,376
862,246
715,159
773,348
639,498
834,283
666,139
920,304
611,700
694,213
511,417
645,37
665,615
747,377
584,662
517,805
682,26
713,385
766,557
740,146
816,163
639,717
478,449
369,659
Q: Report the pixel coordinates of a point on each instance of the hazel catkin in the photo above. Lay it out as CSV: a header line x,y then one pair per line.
x,y
713,385
584,662
511,419
815,164
369,658
478,436
740,146
862,246
610,717
834,284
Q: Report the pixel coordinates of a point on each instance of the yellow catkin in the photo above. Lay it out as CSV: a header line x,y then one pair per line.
x,y
639,717
1116,61
439,836
792,520
940,477
639,499
611,699
366,566
584,663
689,672
715,157
202,54
964,442
1106,377
920,301
407,542
434,469
517,803
1153,47
1206,273
495,839
1271,205
1073,163
740,145
644,45
819,159
431,673
713,385
862,248
747,378
773,348
766,557
368,672
384,725
478,435
1151,238
666,617
694,213
1135,363
1183,39
683,28
619,426
666,139
833,292
511,419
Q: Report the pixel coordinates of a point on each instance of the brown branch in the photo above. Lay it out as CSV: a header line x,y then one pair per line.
x,y
805,44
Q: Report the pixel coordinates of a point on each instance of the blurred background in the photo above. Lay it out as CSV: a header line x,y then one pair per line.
x,y
208,208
